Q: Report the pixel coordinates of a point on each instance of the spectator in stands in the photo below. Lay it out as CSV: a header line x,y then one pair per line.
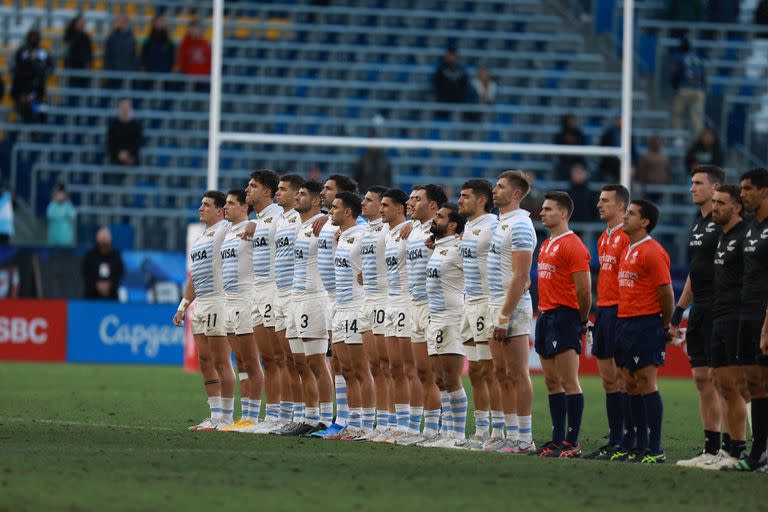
x,y
124,136
653,167
6,215
450,82
689,83
705,150
571,135
120,50
102,268
31,67
158,53
484,87
685,10
195,52
610,166
61,217
584,199
373,168
78,53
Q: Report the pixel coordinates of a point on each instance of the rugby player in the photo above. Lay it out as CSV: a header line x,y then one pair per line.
x,y
699,289
445,292
475,202
646,302
237,275
510,259
611,245
565,299
205,287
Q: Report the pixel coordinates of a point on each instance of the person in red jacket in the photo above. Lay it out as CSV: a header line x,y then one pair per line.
x,y
195,54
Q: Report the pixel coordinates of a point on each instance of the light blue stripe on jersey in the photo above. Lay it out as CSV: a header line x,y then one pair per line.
x,y
229,264
514,233
264,242
201,269
418,255
300,264
373,249
285,237
325,249
347,266
475,245
395,257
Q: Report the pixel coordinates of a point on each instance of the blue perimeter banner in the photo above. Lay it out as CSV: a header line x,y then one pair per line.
x,y
111,332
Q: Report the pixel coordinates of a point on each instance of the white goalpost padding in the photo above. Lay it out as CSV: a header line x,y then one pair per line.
x,y
217,137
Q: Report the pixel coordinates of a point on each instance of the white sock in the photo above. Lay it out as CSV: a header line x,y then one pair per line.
x,y
312,416
481,423
431,422
459,405
342,406
369,416
414,420
446,421
326,413
227,409
513,430
214,403
299,411
526,434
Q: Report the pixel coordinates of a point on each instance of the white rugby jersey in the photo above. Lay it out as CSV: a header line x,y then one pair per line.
x,y
237,260
264,244
475,243
347,265
514,232
445,279
285,236
373,250
205,255
418,255
306,276
395,258
326,245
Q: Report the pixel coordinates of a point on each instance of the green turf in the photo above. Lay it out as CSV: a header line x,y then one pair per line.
x,y
77,437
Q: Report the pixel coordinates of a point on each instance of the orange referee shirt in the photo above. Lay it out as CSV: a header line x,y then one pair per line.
x,y
611,245
559,258
643,268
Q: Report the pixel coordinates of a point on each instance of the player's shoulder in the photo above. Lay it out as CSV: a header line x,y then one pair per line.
x,y
653,249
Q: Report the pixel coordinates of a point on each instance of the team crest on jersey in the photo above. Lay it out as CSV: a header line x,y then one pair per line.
x,y
476,232
351,240
764,234
308,233
710,227
292,220
634,257
210,235
616,240
397,239
555,248
444,252
749,233
378,228
504,226
268,220
696,228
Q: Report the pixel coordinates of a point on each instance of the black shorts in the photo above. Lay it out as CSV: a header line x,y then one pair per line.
x,y
750,325
723,351
557,331
698,335
604,333
641,342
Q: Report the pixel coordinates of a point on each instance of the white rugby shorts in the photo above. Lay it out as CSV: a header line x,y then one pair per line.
x,y
209,316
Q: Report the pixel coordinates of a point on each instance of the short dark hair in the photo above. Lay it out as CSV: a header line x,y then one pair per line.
x,y
622,194
480,188
455,216
397,196
294,180
266,178
378,189
758,177
239,193
313,187
713,172
343,183
219,199
648,211
434,193
352,201
517,179
732,190
562,199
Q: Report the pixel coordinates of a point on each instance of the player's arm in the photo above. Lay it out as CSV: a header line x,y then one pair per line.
x,y
764,335
521,269
249,231
187,298
666,298
682,304
583,282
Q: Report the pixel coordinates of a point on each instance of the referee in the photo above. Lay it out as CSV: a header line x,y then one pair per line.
x,y
699,289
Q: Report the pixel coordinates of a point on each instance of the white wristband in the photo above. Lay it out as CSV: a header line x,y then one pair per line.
x,y
183,305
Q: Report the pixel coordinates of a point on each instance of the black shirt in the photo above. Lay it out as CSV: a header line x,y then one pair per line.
x,y
701,247
754,290
729,268
98,266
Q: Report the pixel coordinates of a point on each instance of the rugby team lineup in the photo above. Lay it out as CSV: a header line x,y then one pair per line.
x,y
397,291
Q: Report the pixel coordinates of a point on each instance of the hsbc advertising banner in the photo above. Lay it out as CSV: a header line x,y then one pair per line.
x,y
33,330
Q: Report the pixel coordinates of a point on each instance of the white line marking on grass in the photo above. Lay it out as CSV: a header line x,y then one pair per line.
x,y
85,424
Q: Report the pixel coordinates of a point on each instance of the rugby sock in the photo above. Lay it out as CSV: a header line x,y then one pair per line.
x,y
382,419
272,412
482,423
342,407
299,411
326,413
459,405
392,420
640,424
711,441
446,421
254,409
558,409
726,444
402,411
356,417
414,422
369,416
737,448
513,429
614,405
431,422
759,427
286,411
214,403
245,408
227,409
497,424
526,433
654,412
629,426
575,408
312,416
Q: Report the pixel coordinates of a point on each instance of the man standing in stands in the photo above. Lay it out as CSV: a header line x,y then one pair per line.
x,y
124,136
451,81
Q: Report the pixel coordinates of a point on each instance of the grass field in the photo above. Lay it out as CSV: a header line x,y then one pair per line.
x,y
76,437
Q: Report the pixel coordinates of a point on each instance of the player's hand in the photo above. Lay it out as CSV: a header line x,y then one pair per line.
x,y
406,231
360,279
501,328
336,236
430,242
586,335
764,342
318,225
178,318
249,231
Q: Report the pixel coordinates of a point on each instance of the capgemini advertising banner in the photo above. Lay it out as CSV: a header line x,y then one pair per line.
x,y
110,332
